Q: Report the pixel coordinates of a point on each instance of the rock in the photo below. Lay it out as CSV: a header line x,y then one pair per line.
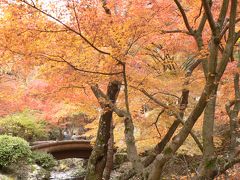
x,y
37,172
7,177
25,172
69,169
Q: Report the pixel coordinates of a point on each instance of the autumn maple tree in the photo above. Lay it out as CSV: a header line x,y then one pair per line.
x,y
136,51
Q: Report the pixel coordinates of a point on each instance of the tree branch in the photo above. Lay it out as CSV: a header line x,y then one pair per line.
x,y
76,16
75,67
67,27
102,97
175,31
106,9
202,23
209,15
189,28
156,121
223,13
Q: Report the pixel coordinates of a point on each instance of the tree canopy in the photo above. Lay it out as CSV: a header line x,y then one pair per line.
x,y
162,75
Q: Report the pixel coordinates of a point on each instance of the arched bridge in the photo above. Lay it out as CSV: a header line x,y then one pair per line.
x,y
64,149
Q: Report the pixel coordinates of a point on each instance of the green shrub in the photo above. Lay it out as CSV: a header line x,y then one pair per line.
x,y
43,159
24,125
13,150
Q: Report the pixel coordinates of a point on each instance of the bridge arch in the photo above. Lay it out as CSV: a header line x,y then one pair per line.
x,y
65,149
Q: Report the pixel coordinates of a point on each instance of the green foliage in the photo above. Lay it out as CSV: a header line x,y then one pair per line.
x,y
25,125
44,160
13,150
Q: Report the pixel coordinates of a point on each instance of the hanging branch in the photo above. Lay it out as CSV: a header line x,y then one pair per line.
x,y
56,59
199,14
156,121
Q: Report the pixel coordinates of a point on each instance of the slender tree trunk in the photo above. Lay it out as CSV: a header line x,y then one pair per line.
x,y
178,140
211,85
208,163
98,158
129,130
161,145
233,116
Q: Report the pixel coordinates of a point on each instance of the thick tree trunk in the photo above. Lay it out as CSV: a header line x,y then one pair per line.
x,y
110,153
98,158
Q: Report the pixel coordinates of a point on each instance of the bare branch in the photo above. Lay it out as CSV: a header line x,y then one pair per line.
x,y
69,87
202,23
47,31
223,13
165,106
106,9
227,166
166,93
226,27
189,28
76,16
62,60
156,121
177,115
200,12
231,39
209,15
175,31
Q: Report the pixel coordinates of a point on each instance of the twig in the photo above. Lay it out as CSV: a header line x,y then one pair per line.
x,y
156,121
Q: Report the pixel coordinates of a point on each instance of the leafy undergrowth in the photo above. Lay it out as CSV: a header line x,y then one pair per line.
x,y
185,164
185,167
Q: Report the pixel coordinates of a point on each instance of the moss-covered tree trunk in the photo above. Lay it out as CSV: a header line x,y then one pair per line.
x,y
97,160
110,153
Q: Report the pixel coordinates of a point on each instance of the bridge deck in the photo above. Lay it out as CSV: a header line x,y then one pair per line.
x,y
65,149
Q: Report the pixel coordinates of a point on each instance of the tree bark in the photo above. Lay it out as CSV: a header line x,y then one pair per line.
x,y
233,115
161,145
129,130
110,153
208,163
98,158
